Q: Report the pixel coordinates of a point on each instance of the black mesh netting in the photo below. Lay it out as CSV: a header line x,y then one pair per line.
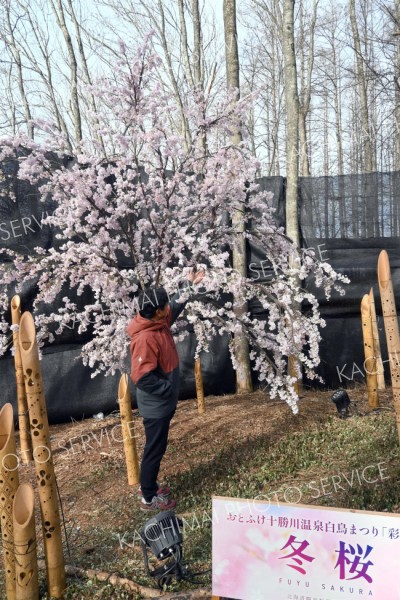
x,y
347,219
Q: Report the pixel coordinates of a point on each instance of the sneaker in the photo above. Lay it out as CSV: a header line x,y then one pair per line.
x,y
163,490
158,503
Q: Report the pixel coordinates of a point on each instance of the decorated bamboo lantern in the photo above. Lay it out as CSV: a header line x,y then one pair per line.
x,y
8,486
43,458
370,360
391,328
380,373
26,571
23,417
199,386
125,407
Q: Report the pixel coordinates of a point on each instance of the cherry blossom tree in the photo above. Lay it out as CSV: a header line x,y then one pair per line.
x,y
152,210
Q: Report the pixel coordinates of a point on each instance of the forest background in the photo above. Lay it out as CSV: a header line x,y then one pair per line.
x,y
347,63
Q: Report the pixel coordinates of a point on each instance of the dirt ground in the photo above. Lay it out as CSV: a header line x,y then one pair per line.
x,y
98,505
82,449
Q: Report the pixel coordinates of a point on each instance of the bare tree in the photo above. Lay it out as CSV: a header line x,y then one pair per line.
x,y
306,71
88,78
367,143
189,60
38,58
8,37
262,71
75,106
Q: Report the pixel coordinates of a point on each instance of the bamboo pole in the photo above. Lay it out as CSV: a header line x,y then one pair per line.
x,y
26,568
8,486
391,328
23,417
125,407
377,346
199,386
292,372
43,458
370,359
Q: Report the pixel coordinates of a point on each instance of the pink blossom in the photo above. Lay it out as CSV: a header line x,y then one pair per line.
x,y
155,206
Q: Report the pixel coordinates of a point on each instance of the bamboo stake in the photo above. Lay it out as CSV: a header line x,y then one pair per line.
x,y
391,328
43,457
125,407
23,416
370,360
8,486
292,373
377,347
199,386
26,568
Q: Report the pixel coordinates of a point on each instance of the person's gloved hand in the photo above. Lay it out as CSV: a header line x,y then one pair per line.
x,y
195,276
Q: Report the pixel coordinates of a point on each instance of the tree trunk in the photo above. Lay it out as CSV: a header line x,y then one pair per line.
x,y
292,137
241,345
369,165
86,71
397,91
197,46
329,231
185,44
292,119
339,146
75,108
305,96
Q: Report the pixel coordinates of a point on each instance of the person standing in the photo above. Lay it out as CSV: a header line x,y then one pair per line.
x,y
155,371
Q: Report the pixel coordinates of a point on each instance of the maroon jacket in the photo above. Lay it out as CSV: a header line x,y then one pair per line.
x,y
155,363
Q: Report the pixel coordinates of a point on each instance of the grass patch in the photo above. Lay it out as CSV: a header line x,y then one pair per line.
x,y
348,464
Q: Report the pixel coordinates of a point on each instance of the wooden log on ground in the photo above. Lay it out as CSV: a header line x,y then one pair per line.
x,y
118,581
43,457
128,433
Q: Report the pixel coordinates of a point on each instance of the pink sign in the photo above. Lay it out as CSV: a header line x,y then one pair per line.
x,y
268,551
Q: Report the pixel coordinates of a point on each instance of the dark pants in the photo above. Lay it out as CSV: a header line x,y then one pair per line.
x,y
156,431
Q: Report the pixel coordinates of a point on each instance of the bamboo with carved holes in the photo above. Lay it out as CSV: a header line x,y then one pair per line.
x,y
199,386
380,373
128,434
43,457
9,482
26,568
23,417
370,360
391,328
